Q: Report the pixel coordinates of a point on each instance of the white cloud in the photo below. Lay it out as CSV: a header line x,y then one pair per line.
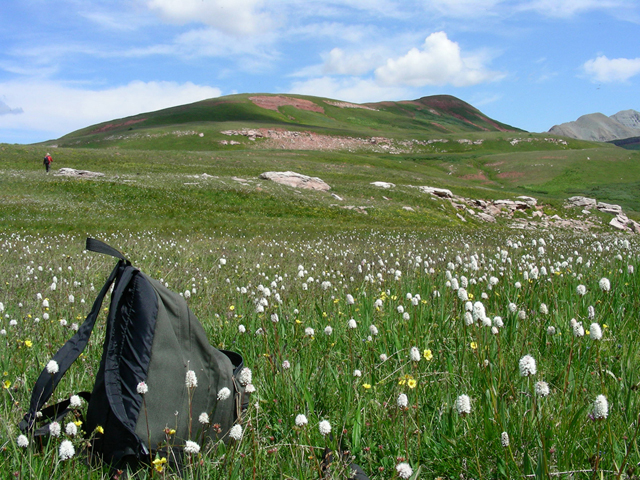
x,y
351,89
53,109
438,63
238,17
606,70
567,8
337,61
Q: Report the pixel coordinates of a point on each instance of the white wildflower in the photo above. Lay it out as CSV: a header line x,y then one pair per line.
x,y
604,284
595,332
402,401
191,447
204,418
463,405
325,427
22,441
52,367
528,366
504,439
404,470
245,376
66,450
542,388
236,432
414,354
600,408
224,393
75,401
71,429
55,429
190,380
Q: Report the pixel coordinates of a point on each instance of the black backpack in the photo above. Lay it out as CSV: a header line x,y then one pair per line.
x,y
152,337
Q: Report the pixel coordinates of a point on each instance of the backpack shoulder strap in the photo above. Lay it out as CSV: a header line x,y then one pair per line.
x,y
70,351
97,246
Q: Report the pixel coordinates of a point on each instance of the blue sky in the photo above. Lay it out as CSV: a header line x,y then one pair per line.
x,y
67,64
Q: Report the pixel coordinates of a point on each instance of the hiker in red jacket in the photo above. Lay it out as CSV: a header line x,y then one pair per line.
x,y
47,162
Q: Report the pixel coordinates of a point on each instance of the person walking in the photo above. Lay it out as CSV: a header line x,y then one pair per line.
x,y
47,162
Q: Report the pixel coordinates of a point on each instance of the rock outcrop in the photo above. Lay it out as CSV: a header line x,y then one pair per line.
x,y
296,180
72,172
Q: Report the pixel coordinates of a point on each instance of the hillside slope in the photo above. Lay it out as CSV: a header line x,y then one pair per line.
x,y
214,118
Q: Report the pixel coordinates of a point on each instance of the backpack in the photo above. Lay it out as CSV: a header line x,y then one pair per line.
x,y
152,337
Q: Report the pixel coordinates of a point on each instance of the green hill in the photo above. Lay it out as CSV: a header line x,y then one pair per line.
x,y
198,126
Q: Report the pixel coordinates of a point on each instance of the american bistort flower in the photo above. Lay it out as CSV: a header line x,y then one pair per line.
x,y
22,441
463,405
325,427
504,439
224,393
595,331
52,367
604,284
236,432
301,420
75,401
71,429
414,354
542,388
245,376
527,366
190,380
402,401
204,418
404,470
191,447
66,450
142,388
600,408
55,429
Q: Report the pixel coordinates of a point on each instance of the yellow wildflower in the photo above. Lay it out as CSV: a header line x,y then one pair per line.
x,y
78,423
366,386
412,383
6,384
28,343
99,429
159,463
427,354
232,308
473,345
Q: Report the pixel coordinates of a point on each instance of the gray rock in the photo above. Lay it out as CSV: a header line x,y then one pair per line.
x,y
584,202
609,208
72,172
296,180
438,192
485,217
532,202
619,222
383,184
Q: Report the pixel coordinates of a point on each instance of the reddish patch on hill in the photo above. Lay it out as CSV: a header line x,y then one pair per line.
x,y
510,175
273,102
440,126
475,176
112,126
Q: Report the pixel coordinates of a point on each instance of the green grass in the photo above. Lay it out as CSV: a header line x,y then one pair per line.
x,y
547,435
176,225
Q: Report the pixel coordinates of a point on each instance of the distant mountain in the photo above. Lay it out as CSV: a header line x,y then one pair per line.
x,y
600,128
434,115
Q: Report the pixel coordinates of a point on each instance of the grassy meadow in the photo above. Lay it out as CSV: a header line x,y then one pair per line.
x,y
433,347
